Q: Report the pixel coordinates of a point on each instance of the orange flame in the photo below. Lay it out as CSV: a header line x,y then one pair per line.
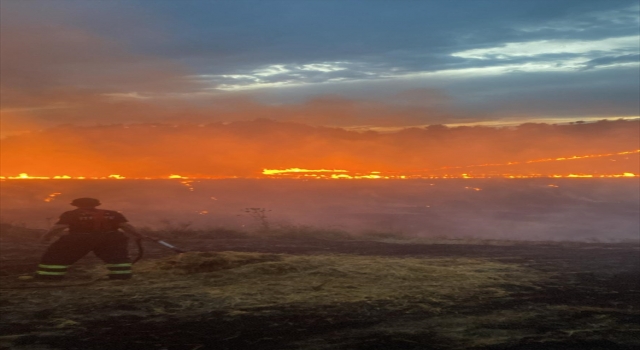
x,y
189,185
298,170
300,173
542,160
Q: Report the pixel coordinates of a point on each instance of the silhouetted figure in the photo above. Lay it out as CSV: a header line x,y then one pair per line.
x,y
90,229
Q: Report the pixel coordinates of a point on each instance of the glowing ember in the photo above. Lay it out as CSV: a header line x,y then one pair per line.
x,y
52,196
188,183
118,177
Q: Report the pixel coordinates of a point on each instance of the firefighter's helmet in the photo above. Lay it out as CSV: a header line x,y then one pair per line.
x,y
85,202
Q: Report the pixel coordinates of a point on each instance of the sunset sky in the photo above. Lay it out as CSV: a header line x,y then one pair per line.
x,y
356,65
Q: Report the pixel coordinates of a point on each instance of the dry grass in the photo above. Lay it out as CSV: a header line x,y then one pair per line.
x,y
201,282
450,297
342,278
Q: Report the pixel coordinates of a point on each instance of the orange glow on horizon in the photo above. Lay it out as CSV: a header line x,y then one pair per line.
x,y
301,173
270,149
189,183
541,160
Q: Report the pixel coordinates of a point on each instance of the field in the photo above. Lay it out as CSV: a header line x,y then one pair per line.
x,y
313,265
273,291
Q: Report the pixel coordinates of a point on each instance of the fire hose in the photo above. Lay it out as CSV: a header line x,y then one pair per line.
x,y
159,241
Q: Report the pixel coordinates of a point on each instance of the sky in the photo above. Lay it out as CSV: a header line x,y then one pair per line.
x,y
352,64
229,88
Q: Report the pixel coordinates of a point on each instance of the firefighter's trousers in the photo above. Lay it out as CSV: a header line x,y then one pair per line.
x,y
110,247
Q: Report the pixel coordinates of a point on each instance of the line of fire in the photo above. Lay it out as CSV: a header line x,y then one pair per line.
x,y
453,172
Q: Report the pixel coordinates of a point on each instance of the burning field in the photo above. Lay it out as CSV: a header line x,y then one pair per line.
x,y
268,292
335,175
463,263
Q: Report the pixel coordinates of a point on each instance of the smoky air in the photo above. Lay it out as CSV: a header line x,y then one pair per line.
x,y
543,209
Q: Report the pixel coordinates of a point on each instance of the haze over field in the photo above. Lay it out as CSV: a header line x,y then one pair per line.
x,y
594,210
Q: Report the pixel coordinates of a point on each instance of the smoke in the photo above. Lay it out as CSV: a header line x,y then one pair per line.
x,y
56,73
604,210
244,149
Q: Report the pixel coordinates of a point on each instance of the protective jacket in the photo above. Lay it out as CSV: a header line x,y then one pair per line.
x,y
89,230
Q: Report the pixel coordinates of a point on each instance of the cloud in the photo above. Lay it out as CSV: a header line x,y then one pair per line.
x,y
546,47
528,56
289,75
609,61
551,36
56,74
68,64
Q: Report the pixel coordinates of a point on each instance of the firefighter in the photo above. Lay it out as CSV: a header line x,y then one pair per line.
x,y
90,229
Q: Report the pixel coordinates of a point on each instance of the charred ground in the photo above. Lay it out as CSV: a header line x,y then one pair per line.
x,y
294,293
